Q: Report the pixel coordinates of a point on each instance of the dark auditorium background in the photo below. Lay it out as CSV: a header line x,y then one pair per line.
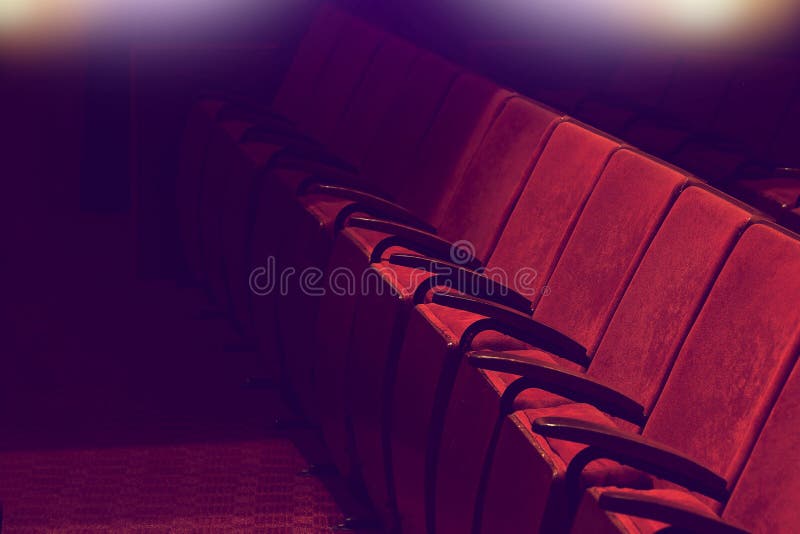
x,y
135,399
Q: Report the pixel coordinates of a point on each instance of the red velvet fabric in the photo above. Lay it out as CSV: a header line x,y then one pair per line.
x,y
551,202
591,519
295,89
646,330
664,295
612,234
764,497
379,89
499,171
449,325
734,360
226,198
457,125
315,48
736,356
341,75
392,154
449,147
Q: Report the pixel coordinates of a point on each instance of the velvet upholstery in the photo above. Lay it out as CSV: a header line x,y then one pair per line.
x,y
647,328
634,355
296,87
275,202
396,401
755,299
449,328
470,108
734,361
606,245
764,496
311,56
589,286
390,158
371,356
341,75
338,81
376,93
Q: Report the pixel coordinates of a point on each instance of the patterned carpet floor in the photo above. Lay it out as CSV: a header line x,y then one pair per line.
x,y
121,412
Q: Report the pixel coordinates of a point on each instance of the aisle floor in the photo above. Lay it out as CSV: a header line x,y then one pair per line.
x,y
121,410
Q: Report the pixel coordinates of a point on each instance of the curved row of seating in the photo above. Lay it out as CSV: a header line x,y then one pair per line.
x,y
500,318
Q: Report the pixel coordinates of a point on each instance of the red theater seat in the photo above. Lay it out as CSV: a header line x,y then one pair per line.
x,y
763,499
472,107
613,230
389,168
717,396
530,308
357,126
566,170
624,377
226,186
294,92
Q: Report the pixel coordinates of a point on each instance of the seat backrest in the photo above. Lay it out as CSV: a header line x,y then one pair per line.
x,y
378,90
621,216
313,51
766,495
340,77
736,356
392,150
471,107
561,181
666,292
488,191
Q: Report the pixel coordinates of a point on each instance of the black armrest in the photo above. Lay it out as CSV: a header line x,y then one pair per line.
x,y
674,514
465,280
635,451
419,239
570,384
515,324
372,204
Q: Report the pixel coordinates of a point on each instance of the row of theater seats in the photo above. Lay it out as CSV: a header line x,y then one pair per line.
x,y
731,119
554,331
